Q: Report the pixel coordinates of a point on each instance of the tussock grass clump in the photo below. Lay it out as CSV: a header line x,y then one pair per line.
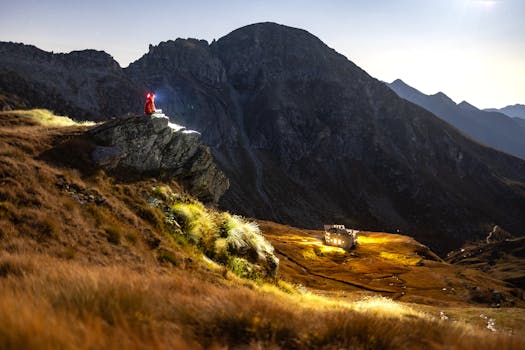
x,y
242,267
244,238
50,226
152,215
198,222
131,236
227,239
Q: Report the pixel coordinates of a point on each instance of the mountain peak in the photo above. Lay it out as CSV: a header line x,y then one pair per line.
x,y
271,35
399,84
412,94
269,27
467,106
514,111
264,52
90,58
442,97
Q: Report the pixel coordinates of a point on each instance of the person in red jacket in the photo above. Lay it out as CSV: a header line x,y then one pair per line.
x,y
149,107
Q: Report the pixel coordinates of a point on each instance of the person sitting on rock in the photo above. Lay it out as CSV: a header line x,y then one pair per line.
x,y
149,107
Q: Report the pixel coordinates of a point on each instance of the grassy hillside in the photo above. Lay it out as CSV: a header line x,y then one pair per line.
x,y
393,265
93,261
503,259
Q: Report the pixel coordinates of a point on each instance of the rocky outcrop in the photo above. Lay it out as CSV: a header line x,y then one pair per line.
x,y
190,82
153,145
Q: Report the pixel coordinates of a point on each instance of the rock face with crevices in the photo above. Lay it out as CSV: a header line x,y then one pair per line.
x,y
153,144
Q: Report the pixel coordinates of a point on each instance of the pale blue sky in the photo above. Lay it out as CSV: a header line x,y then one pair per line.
x,y
469,49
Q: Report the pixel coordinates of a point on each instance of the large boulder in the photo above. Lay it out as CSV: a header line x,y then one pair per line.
x,y
152,145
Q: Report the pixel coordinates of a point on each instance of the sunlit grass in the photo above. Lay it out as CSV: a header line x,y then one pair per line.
x,y
55,304
310,242
228,239
400,258
244,235
372,239
393,266
330,249
47,118
198,222
309,254
377,305
386,307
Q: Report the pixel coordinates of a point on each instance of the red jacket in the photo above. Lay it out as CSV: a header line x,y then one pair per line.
x,y
149,107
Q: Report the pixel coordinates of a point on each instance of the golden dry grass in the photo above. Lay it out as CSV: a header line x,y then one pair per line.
x,y
393,265
46,303
45,117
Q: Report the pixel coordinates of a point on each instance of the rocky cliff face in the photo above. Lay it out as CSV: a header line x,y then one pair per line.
x,y
85,84
190,82
153,145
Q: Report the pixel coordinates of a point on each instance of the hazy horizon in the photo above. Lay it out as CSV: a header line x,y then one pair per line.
x,y
471,50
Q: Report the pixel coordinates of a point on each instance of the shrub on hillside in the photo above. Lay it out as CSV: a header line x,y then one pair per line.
x,y
245,239
227,239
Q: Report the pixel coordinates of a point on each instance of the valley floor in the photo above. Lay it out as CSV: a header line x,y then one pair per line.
x,y
392,265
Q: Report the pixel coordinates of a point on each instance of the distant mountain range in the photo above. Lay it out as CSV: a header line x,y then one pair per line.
x,y
87,84
304,135
489,127
514,111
